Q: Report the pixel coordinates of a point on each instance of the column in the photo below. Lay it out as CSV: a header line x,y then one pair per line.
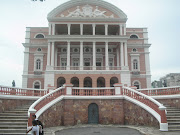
x,y
56,55
52,55
117,52
126,55
94,55
94,29
120,29
68,55
124,29
81,55
106,55
49,54
53,29
81,29
69,29
106,29
122,54
50,28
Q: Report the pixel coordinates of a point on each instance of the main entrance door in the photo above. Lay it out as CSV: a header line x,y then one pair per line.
x,y
93,114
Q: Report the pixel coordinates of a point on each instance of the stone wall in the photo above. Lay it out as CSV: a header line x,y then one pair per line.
x,y
135,115
174,102
9,104
112,111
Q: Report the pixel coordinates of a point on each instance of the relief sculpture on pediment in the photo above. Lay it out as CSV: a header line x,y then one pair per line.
x,y
87,11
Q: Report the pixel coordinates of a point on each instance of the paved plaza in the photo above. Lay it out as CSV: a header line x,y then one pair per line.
x,y
106,130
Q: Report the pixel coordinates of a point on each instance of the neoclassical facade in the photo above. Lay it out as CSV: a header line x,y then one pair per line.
x,y
87,44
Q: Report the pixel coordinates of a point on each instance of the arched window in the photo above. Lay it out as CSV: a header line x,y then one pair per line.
x,y
101,82
60,82
37,85
75,81
134,36
137,84
87,82
135,64
113,80
38,64
39,36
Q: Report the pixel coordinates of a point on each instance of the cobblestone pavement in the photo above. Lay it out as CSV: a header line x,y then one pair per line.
x,y
105,130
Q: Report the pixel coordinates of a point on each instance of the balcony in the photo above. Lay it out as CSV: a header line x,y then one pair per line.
x,y
87,68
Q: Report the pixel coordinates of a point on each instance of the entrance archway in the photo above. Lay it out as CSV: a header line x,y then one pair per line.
x,y
100,82
60,82
93,114
87,82
75,82
113,80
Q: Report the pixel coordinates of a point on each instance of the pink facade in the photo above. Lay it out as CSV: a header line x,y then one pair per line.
x,y
87,44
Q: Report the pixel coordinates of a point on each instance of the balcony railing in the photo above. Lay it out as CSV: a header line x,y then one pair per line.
x,y
93,91
87,68
4,90
161,91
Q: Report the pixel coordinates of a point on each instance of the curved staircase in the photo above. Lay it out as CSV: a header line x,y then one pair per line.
x,y
14,122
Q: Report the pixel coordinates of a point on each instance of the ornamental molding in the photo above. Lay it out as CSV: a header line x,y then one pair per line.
x,y
87,11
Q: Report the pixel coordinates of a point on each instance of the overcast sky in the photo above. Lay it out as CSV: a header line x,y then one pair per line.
x,y
161,17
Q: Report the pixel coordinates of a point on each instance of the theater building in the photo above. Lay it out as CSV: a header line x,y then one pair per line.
x,y
87,44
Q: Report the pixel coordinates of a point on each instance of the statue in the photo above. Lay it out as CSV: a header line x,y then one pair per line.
x,y
13,83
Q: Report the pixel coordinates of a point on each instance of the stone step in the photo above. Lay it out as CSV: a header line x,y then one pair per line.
x,y
173,114
14,111
173,120
174,129
173,111
14,114
13,117
172,117
13,120
12,131
13,123
173,126
173,123
22,109
13,127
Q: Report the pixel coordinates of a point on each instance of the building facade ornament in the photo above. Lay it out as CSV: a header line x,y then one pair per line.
x,y
87,11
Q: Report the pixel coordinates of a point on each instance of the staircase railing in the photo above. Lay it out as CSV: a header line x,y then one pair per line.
x,y
150,102
142,100
41,102
4,90
161,91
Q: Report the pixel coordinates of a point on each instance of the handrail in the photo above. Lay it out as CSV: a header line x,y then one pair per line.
x,y
144,95
5,90
161,91
36,107
158,88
